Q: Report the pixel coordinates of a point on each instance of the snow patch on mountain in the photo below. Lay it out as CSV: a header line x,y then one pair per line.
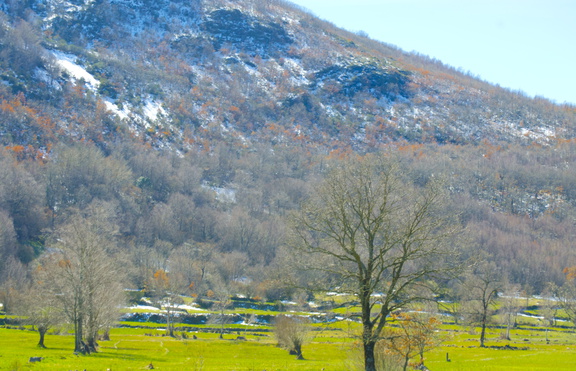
x,y
43,75
152,110
224,195
67,62
122,113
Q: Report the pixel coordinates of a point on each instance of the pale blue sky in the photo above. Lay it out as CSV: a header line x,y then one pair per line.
x,y
526,45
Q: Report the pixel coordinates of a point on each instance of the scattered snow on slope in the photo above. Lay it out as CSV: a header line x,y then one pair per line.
x,y
123,114
152,109
67,63
44,76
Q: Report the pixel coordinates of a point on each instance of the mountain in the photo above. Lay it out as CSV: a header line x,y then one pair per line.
x,y
196,127
184,73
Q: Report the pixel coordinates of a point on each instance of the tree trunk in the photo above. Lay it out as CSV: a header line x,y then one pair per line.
x,y
92,344
298,351
106,334
222,320
369,360
405,365
169,326
78,334
483,334
42,331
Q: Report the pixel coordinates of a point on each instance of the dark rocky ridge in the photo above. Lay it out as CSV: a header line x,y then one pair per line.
x,y
246,33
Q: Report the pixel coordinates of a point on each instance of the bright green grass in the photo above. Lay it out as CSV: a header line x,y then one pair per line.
x,y
533,351
129,349
536,358
332,348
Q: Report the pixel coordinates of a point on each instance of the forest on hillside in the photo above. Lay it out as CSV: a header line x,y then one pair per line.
x,y
220,218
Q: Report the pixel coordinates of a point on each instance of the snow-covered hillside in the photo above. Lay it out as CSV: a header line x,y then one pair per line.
x,y
178,73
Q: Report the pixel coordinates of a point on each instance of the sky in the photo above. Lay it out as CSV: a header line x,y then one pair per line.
x,y
523,45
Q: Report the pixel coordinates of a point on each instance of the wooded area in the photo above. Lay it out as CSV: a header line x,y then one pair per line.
x,y
224,212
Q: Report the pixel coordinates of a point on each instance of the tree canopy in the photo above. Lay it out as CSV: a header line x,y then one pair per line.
x,y
371,233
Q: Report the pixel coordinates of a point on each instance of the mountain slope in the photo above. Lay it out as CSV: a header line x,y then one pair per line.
x,y
195,128
179,74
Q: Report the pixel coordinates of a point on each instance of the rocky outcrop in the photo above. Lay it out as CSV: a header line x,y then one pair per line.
x,y
248,34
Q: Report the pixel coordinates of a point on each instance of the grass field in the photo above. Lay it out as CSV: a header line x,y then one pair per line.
x,y
131,349
332,348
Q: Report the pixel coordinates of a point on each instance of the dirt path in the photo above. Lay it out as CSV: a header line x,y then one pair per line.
x,y
166,350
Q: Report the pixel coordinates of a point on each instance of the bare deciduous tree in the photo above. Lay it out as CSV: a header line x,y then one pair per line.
x,y
220,292
550,307
566,294
13,279
479,292
509,307
84,279
368,232
292,333
165,291
39,308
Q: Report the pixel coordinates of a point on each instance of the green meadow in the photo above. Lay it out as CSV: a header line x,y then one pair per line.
x,y
132,349
141,346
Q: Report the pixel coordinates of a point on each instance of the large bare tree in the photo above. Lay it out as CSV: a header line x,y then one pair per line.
x,y
480,289
84,278
371,233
